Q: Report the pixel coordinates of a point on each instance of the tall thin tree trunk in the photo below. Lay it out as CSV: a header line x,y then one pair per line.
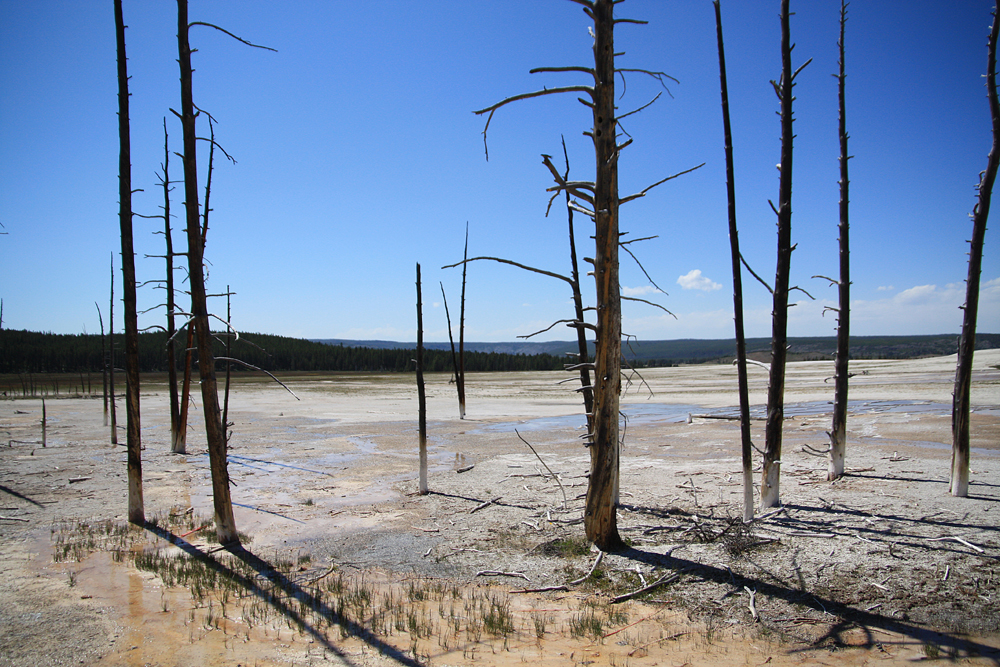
x,y
104,364
136,513
967,344
586,388
769,496
225,522
180,443
838,430
111,357
461,330
176,441
451,340
734,244
600,516
421,395
229,366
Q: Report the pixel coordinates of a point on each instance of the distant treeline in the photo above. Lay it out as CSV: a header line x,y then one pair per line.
x,y
34,352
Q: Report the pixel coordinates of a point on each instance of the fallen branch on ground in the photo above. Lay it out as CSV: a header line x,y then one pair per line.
x,y
597,561
484,505
665,579
498,573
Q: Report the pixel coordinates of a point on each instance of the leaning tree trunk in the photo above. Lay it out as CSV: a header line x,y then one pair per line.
x,y
421,395
104,364
136,513
734,244
838,430
225,522
779,312
967,345
111,358
600,517
583,363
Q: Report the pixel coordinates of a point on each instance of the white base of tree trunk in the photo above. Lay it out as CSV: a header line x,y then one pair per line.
x,y
959,476
769,485
837,449
747,495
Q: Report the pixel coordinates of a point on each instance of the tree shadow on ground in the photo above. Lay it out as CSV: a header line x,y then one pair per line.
x,y
296,594
847,617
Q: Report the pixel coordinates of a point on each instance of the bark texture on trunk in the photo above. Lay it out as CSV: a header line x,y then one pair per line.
x,y
421,395
769,492
734,244
225,522
600,518
838,430
967,344
136,513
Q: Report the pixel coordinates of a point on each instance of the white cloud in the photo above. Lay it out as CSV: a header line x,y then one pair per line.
x,y
694,280
640,291
886,288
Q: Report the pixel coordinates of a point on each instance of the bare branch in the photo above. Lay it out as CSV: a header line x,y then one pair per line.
x,y
217,145
668,178
832,281
645,273
252,367
507,261
523,96
585,70
792,289
644,238
570,323
238,39
632,298
752,273
625,115
554,476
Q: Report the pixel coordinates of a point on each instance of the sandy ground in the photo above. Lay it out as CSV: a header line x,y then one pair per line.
x,y
346,564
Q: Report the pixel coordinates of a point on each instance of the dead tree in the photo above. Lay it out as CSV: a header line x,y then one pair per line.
x,y
225,524
421,395
967,344
734,244
111,357
600,518
779,313
460,372
104,363
136,513
838,430
177,442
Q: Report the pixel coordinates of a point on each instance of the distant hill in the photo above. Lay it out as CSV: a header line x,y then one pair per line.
x,y
668,352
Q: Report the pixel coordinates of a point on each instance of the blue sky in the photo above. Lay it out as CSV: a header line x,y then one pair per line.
x,y
358,156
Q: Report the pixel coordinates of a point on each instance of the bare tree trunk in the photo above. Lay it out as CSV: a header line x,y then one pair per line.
x,y
586,388
229,366
734,244
225,522
111,357
45,423
769,496
177,443
838,430
600,517
136,513
104,364
421,395
180,443
967,344
460,379
451,340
